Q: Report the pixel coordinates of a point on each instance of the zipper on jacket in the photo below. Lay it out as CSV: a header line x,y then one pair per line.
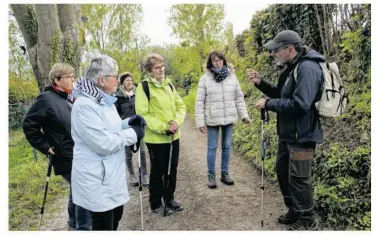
x,y
296,132
224,110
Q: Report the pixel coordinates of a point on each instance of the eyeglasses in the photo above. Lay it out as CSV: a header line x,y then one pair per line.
x,y
277,50
217,60
159,68
69,77
116,76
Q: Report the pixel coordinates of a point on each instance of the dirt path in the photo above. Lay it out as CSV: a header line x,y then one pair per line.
x,y
236,207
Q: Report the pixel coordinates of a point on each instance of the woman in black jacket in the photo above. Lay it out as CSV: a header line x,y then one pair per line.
x,y
47,127
125,105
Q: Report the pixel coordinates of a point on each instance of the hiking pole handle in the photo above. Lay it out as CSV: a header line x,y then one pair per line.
x,y
264,115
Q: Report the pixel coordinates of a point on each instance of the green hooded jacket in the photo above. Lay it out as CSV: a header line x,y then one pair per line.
x,y
164,106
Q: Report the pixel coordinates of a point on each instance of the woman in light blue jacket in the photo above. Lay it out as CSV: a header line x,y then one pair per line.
x,y
98,170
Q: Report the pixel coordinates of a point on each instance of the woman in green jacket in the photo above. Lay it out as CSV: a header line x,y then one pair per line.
x,y
164,111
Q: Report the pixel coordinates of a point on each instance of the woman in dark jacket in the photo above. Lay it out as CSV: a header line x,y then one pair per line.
x,y
47,127
125,105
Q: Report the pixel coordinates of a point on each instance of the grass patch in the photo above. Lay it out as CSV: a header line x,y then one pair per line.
x,y
27,180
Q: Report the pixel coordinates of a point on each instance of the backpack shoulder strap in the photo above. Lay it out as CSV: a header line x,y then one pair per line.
x,y
146,89
295,72
171,86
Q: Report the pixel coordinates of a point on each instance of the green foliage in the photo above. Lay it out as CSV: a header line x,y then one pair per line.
x,y
27,179
190,101
112,30
55,48
351,40
31,24
21,90
199,26
343,185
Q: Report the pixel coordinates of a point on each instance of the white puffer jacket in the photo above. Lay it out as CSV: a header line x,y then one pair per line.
x,y
219,103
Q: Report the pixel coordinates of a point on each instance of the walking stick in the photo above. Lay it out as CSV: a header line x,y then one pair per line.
x,y
169,173
46,188
140,188
264,119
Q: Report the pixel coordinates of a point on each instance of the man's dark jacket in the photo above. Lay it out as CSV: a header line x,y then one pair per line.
x,y
294,101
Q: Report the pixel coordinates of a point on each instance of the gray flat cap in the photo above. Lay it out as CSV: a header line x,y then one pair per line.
x,y
283,38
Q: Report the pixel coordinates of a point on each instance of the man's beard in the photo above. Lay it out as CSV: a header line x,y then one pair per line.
x,y
281,63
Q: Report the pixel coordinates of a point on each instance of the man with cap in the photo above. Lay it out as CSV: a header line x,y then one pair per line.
x,y
298,124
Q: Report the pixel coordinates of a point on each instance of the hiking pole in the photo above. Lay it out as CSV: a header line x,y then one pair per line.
x,y
46,188
140,187
169,173
264,119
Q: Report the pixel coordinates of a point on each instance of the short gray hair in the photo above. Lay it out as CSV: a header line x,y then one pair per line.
x,y
101,66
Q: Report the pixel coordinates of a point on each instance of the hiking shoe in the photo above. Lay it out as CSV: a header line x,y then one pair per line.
x,y
145,180
225,178
212,183
289,218
301,225
133,180
160,210
175,205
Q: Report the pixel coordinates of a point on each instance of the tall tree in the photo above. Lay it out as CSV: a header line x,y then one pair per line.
x,y
113,30
198,25
18,57
51,34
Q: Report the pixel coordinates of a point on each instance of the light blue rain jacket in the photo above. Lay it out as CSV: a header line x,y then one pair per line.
x,y
98,169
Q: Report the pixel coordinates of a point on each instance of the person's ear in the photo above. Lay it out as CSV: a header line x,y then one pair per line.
x,y
101,81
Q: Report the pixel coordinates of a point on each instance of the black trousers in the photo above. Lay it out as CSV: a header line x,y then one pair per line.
x,y
107,220
293,167
159,159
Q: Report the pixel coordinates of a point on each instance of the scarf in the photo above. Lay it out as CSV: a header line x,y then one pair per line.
x,y
219,73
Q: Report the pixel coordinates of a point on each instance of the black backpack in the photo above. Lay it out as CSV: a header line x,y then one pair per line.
x,y
147,89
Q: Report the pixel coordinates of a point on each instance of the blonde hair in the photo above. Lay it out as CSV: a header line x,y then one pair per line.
x,y
148,61
60,69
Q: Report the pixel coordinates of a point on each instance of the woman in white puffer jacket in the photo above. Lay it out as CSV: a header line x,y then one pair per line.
x,y
219,104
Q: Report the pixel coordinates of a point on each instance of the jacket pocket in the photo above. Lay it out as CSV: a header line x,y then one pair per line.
x,y
304,125
107,172
287,127
58,145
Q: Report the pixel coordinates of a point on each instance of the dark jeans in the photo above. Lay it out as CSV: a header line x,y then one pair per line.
x,y
159,159
78,217
107,220
293,167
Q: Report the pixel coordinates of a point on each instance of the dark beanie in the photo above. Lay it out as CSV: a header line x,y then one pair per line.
x,y
123,76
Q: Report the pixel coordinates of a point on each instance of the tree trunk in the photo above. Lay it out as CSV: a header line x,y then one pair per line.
x,y
320,28
335,34
325,24
341,16
201,36
51,35
347,16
